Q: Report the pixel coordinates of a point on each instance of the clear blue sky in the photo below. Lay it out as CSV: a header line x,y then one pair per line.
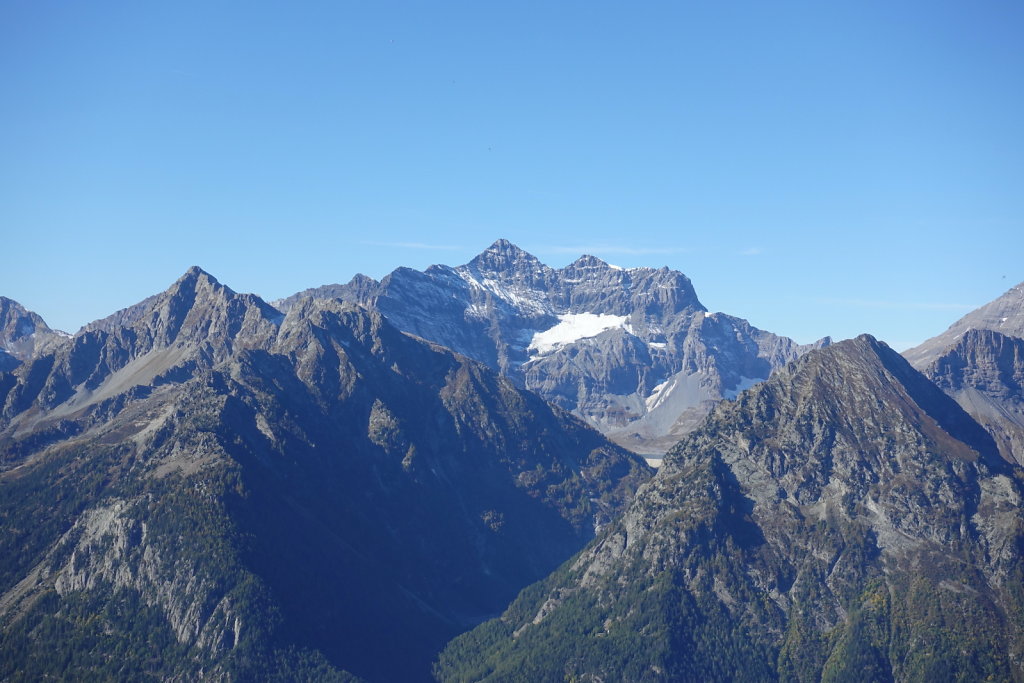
x,y
816,167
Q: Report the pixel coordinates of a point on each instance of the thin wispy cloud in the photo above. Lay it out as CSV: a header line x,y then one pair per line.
x,y
752,251
896,305
609,249
413,245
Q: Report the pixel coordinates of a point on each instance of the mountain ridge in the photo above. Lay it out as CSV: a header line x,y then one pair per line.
x,y
979,361
23,333
218,490
1004,314
984,372
631,351
843,520
195,323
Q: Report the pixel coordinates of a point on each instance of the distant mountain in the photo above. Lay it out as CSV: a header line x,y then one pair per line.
x,y
979,361
984,372
22,333
1004,315
204,487
844,520
633,352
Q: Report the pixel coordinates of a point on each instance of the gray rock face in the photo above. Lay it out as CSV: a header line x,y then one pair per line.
x,y
978,362
843,520
126,317
984,373
265,494
8,362
1004,315
193,325
633,352
22,334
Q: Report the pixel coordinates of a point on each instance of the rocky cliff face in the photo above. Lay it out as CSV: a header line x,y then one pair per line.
x,y
843,520
210,488
1004,315
633,352
978,362
984,373
22,334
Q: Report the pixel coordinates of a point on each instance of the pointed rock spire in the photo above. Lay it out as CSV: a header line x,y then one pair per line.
x,y
503,256
17,322
22,332
588,261
197,305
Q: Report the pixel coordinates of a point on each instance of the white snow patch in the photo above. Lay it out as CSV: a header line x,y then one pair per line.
x,y
1003,320
573,327
476,311
659,394
657,345
615,267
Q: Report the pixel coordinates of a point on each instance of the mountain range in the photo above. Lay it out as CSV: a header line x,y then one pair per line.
x,y
632,352
402,480
211,488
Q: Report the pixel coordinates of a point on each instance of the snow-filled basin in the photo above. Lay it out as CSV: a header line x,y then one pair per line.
x,y
571,328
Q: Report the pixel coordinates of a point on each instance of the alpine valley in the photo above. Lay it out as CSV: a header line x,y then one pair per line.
x,y
439,476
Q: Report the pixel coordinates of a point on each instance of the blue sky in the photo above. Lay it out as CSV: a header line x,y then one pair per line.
x,y
817,168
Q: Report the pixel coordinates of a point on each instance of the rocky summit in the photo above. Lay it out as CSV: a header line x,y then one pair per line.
x,y
844,520
202,487
631,351
22,334
979,361
1004,315
984,372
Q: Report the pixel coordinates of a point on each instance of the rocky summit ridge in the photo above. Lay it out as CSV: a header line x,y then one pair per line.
x,y
979,361
984,373
843,520
194,324
1005,315
631,351
23,333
